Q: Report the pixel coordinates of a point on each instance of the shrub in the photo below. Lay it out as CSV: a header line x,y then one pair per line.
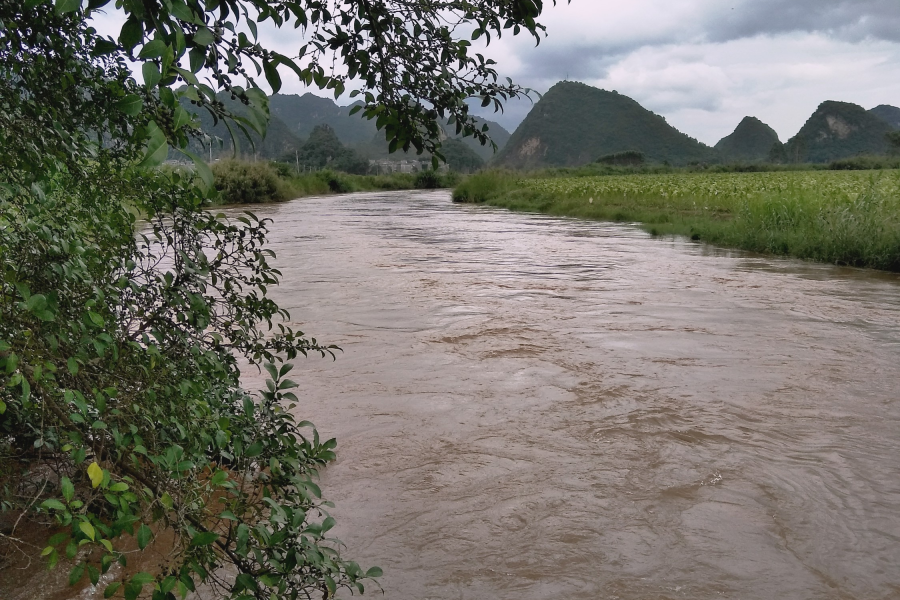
x,y
243,182
338,183
427,180
630,158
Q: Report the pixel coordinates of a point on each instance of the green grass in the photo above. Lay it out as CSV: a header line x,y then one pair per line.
x,y
840,217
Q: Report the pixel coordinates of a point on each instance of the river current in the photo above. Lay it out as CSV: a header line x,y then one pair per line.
x,y
530,407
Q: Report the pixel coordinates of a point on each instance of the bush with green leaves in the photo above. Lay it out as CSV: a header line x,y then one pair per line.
x,y
244,182
127,306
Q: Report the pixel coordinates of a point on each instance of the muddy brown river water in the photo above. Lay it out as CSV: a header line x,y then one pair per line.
x,y
531,407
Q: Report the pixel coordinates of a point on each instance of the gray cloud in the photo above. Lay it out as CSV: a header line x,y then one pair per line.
x,y
852,20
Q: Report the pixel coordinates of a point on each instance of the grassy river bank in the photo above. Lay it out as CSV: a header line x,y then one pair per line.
x,y
244,182
841,217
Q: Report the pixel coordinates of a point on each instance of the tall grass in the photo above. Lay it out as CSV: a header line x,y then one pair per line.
x,y
841,217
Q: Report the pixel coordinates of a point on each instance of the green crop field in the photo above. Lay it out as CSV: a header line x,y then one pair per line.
x,y
842,217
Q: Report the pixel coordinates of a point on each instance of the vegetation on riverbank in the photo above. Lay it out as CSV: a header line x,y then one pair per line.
x,y
840,217
127,434
244,182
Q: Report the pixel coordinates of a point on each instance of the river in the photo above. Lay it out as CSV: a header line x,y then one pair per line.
x,y
530,407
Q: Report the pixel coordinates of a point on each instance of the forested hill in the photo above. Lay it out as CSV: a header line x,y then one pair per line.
x,y
293,119
752,141
838,130
574,124
891,114
303,113
279,140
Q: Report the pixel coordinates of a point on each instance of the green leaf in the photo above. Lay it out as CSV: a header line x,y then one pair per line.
x,y
243,536
132,591
54,504
374,572
95,473
111,589
72,364
180,10
68,489
203,37
287,384
142,578
87,529
2,407
151,74
219,478
188,76
152,49
143,536
131,33
131,105
254,450
166,501
197,58
181,118
103,47
204,538
328,524
93,575
272,76
157,150
244,582
66,6
76,573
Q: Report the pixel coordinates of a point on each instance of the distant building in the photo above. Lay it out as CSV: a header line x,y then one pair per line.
x,y
387,166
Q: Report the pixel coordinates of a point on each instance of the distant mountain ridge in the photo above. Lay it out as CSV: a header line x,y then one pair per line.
x,y
891,114
293,119
752,141
574,124
303,113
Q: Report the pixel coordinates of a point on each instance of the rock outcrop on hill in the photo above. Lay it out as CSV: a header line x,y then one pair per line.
x,y
838,130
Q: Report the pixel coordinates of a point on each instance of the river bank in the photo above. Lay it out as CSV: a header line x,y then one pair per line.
x,y
840,217
245,182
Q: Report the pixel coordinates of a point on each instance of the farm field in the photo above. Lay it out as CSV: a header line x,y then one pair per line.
x,y
842,217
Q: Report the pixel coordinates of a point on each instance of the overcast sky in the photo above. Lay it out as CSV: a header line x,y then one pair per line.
x,y
705,64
